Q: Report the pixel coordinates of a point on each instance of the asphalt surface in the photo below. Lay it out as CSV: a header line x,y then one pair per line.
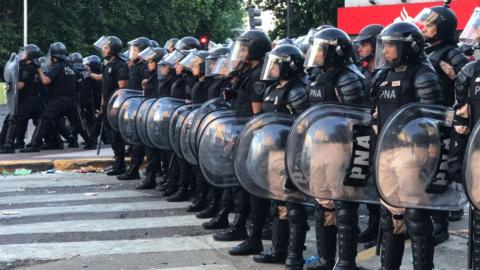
x,y
91,221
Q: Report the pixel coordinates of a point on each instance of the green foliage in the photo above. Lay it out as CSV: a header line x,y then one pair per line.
x,y
79,23
306,14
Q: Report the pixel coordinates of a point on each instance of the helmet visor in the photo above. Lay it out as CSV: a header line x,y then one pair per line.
x,y
471,33
221,67
191,61
147,54
316,53
210,66
271,68
101,43
173,58
238,55
427,16
388,51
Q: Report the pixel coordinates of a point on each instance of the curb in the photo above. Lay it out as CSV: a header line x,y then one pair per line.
x,y
58,164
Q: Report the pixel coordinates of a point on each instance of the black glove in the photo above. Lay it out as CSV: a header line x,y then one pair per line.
x,y
36,63
229,94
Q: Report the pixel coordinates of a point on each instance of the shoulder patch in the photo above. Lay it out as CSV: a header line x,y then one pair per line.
x,y
259,87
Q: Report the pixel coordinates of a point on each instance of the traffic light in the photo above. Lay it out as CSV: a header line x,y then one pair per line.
x,y
253,15
204,41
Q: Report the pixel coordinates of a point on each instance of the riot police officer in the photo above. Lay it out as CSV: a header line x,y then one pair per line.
x,y
246,59
114,76
136,76
150,86
367,41
29,104
284,65
61,79
337,80
406,76
439,26
93,64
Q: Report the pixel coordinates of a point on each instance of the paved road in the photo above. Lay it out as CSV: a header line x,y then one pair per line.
x,y
80,221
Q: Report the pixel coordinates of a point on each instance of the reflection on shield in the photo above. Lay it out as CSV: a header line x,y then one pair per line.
x,y
328,153
141,122
207,107
158,120
216,146
11,77
185,137
412,159
175,126
472,168
259,161
116,101
127,119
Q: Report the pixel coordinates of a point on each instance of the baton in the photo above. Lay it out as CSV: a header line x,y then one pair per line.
x,y
99,139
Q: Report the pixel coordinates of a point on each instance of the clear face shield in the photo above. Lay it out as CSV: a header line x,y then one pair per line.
x,y
317,51
210,66
221,67
238,55
471,34
147,54
309,37
101,43
389,51
133,52
173,58
191,61
271,68
427,17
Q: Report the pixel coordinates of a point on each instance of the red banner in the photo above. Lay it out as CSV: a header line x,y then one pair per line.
x,y
353,19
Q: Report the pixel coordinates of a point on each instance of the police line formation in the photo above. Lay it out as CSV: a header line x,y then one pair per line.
x,y
267,130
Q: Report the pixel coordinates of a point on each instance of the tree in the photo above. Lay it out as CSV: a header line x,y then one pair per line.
x,y
79,23
305,14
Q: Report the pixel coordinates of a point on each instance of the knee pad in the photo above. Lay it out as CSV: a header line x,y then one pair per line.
x,y
346,212
297,214
418,222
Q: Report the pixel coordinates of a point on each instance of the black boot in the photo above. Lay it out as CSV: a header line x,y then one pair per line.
x,y
130,174
220,221
326,246
72,142
278,252
476,240
171,188
149,182
90,145
211,211
236,232
118,167
7,149
199,203
371,233
392,251
296,245
422,252
180,196
440,226
30,149
347,235
248,247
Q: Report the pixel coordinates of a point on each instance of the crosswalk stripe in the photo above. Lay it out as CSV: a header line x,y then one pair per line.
x,y
56,251
101,225
93,208
202,267
72,197
58,182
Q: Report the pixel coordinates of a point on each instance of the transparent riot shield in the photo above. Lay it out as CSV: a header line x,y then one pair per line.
x,y
175,126
207,107
328,153
141,122
158,119
216,146
185,144
127,120
11,76
412,159
116,101
259,159
472,166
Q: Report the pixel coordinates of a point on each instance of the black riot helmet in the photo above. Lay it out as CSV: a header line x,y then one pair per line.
x,y
444,19
329,48
153,54
154,43
30,52
212,58
93,62
256,41
170,44
282,63
141,43
406,38
58,50
113,42
217,52
324,26
369,35
76,57
187,43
